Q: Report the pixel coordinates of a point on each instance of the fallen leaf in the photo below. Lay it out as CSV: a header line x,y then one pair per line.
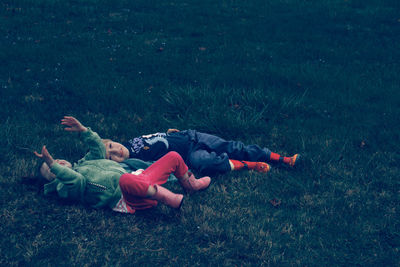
x,y
363,144
275,202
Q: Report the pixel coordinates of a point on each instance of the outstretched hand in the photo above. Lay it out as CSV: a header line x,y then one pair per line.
x,y
45,155
74,124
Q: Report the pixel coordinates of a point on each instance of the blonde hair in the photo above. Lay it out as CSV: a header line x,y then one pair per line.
x,y
105,141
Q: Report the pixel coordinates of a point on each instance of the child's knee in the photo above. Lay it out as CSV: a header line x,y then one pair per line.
x,y
174,155
209,163
126,179
132,184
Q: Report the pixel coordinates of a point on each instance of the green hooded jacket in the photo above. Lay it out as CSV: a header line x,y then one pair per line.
x,y
94,180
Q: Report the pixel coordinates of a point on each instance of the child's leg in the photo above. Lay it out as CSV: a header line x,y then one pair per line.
x,y
139,194
160,170
167,197
142,191
287,160
173,163
135,190
151,191
138,190
208,163
239,151
211,163
251,165
233,149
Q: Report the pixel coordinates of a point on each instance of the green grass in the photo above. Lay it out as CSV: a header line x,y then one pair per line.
x,y
320,78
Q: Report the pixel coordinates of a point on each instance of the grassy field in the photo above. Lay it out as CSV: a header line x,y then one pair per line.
x,y
320,78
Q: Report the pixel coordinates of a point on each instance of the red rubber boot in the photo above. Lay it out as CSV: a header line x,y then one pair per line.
x,y
167,197
192,184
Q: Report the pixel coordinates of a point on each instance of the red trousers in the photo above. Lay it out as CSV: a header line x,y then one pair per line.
x,y
134,187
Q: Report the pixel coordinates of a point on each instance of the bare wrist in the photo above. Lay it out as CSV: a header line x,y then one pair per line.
x,y
50,162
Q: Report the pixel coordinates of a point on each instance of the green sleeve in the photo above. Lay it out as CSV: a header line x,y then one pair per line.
x,y
65,174
68,183
97,150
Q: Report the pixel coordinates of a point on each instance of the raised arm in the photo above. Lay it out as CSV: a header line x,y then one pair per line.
x,y
73,124
68,183
97,149
63,173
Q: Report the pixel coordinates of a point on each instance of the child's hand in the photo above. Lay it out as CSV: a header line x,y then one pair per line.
x,y
74,124
46,156
172,130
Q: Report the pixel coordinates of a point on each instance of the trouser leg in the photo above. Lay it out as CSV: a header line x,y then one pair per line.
x,y
208,163
135,187
172,162
234,149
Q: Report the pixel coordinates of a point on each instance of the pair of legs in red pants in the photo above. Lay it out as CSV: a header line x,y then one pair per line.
x,y
134,188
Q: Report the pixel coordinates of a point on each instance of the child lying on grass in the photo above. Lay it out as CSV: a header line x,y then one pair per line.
x,y
99,182
204,153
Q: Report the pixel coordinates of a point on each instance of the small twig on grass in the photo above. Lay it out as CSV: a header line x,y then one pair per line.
x,y
151,250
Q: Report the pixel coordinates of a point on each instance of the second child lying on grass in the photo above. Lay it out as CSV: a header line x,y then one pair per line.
x,y
205,153
100,183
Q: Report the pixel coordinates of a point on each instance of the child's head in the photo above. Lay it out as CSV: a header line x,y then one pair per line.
x,y
46,173
115,151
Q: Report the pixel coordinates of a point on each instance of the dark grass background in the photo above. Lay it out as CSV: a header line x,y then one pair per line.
x,y
320,78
